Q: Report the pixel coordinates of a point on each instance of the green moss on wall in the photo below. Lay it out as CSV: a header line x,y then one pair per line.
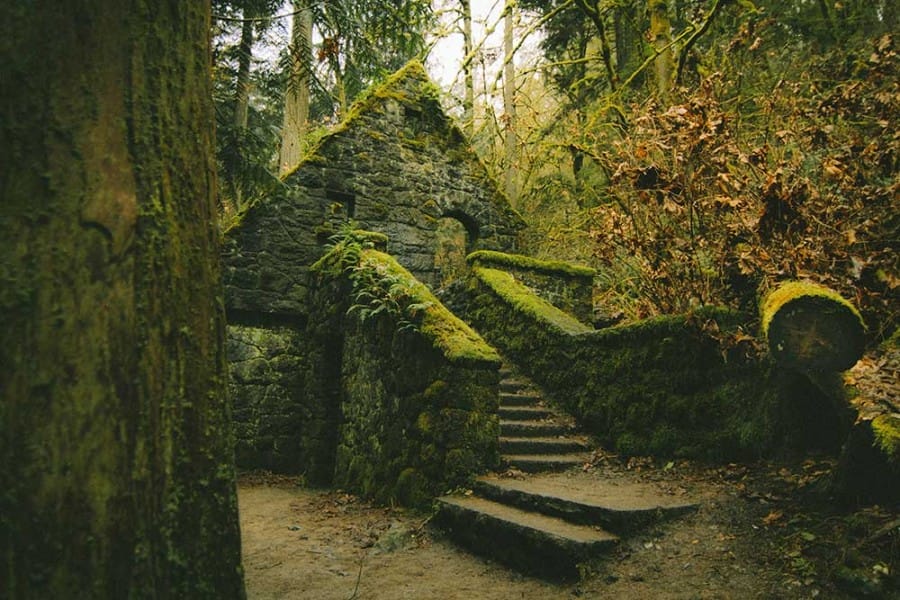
x,y
417,387
415,303
661,386
501,259
526,301
886,429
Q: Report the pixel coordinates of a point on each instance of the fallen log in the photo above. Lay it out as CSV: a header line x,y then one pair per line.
x,y
812,328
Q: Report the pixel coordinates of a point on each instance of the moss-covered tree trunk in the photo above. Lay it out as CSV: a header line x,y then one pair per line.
x,y
116,476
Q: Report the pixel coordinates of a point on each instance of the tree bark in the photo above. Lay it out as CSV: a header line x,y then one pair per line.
x,y
296,98
509,107
116,460
245,57
468,78
661,38
596,16
812,328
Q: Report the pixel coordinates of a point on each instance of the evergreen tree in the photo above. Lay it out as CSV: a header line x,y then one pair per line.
x,y
116,459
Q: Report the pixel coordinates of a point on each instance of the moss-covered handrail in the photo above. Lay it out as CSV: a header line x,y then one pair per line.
x,y
417,304
811,327
523,299
519,261
447,332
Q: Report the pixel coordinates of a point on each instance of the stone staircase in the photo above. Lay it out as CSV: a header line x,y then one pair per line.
x,y
536,519
533,437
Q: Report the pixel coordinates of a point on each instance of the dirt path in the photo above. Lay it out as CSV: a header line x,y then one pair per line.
x,y
753,537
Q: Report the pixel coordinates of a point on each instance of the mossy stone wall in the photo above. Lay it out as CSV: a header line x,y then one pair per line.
x,y
415,424
659,387
397,165
418,404
279,425
568,287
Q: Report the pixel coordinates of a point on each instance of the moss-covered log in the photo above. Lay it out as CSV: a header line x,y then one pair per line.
x,y
812,328
116,476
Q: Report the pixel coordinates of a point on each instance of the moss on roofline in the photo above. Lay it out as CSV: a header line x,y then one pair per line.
x,y
425,90
525,300
519,261
387,89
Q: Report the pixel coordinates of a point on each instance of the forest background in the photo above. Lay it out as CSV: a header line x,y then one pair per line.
x,y
693,152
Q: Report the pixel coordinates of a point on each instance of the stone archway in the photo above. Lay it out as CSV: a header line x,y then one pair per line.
x,y
451,245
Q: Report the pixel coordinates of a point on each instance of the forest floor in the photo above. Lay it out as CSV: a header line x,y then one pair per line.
x,y
761,531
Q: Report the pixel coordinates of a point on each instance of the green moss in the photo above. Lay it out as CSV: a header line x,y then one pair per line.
x,y
448,333
518,261
412,488
435,389
793,291
893,342
523,299
423,422
659,327
886,429
659,386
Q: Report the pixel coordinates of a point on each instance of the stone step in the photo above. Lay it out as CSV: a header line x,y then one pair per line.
x,y
508,399
523,413
527,541
537,463
533,428
514,385
541,445
616,506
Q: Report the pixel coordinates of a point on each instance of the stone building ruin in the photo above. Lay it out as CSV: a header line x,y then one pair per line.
x,y
398,165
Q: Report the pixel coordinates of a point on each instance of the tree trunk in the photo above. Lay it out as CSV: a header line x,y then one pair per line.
x,y
812,328
296,97
469,80
245,57
595,14
116,450
661,38
509,106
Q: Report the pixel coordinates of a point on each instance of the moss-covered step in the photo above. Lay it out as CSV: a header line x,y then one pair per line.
x,y
812,328
534,437
529,542
541,445
511,385
619,507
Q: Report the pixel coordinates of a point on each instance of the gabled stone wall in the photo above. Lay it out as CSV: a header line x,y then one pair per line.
x,y
397,165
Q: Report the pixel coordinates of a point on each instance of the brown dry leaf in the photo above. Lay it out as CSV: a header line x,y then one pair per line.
x,y
773,517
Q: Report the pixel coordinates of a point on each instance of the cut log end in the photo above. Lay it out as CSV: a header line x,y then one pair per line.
x,y
810,327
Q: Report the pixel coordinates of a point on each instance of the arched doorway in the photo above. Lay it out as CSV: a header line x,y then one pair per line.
x,y
455,237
